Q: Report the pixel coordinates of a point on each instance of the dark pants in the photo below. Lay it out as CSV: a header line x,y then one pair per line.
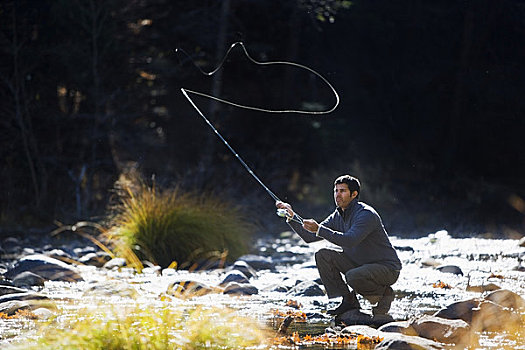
x,y
369,280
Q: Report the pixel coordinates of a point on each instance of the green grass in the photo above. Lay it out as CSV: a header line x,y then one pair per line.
x,y
137,328
169,225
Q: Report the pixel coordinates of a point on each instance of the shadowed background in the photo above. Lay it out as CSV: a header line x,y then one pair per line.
x,y
431,115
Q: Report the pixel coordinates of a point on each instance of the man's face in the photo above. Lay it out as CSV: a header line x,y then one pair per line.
x,y
343,196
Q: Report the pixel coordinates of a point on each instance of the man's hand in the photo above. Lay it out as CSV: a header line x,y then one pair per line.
x,y
288,207
310,225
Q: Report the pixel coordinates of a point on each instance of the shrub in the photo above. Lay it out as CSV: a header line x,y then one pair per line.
x,y
170,225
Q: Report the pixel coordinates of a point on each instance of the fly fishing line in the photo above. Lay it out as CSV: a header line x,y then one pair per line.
x,y
187,92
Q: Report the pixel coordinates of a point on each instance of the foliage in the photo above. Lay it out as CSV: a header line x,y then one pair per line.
x,y
167,225
138,328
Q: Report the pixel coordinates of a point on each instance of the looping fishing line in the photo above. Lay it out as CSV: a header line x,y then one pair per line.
x,y
239,43
186,93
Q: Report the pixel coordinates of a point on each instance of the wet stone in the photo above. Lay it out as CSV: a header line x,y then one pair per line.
x,y
28,279
98,259
307,289
395,341
11,307
59,254
450,269
5,290
463,310
245,268
46,267
189,287
115,263
442,330
507,298
234,276
240,289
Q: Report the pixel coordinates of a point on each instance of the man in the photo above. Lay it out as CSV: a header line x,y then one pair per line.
x,y
367,259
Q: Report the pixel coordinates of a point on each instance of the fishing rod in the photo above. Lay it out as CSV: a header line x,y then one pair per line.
x,y
281,212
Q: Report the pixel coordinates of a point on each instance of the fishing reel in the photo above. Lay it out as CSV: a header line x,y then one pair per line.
x,y
283,213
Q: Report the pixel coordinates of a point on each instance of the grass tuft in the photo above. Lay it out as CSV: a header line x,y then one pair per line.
x,y
137,329
167,225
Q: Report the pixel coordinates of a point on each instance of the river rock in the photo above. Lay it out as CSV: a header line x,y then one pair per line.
x,y
115,263
492,317
42,313
59,254
98,259
462,310
507,298
359,330
5,290
258,262
28,279
521,242
22,296
450,269
307,289
396,341
46,267
240,289
442,330
234,276
11,307
111,288
188,288
483,288
245,268
402,327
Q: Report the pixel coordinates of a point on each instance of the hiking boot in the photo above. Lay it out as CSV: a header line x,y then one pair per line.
x,y
383,305
349,302
342,308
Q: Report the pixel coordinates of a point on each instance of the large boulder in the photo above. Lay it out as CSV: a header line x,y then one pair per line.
x,y
462,310
443,330
507,298
45,267
492,317
395,341
482,315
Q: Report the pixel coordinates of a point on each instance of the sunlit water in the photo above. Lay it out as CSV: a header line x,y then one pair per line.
x,y
479,259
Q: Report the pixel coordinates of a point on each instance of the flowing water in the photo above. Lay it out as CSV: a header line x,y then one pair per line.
x,y
482,261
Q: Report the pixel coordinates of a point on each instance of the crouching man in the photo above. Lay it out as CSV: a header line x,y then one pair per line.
x,y
366,257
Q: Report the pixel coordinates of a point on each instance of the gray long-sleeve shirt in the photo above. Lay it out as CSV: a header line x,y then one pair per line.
x,y
359,231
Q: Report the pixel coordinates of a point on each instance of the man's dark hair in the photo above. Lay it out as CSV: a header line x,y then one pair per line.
x,y
352,183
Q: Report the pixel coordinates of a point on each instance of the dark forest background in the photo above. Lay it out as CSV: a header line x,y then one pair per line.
x,y
432,113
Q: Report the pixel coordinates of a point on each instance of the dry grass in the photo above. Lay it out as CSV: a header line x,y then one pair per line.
x,y
169,225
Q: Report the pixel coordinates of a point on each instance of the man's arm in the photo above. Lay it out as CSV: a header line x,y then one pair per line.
x,y
363,224
305,234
